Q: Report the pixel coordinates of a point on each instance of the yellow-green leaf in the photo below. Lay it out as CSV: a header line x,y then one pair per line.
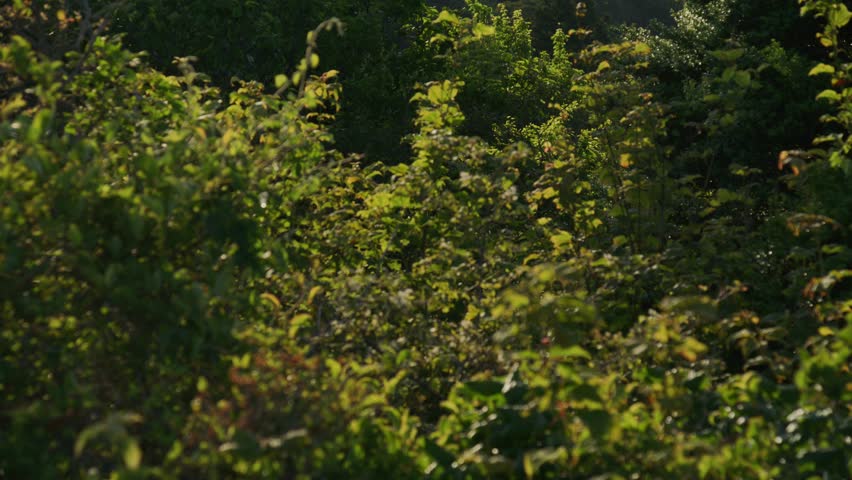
x,y
829,95
447,16
132,454
820,69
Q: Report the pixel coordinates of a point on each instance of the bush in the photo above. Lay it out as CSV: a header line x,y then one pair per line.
x,y
582,269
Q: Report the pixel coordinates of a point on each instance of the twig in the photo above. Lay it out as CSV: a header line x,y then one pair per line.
x,y
333,22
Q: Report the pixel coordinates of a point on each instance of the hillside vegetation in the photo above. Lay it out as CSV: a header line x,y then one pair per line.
x,y
352,239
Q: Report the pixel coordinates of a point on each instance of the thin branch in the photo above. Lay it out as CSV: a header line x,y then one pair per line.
x,y
333,22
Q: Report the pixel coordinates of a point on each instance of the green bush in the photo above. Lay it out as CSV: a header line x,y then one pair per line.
x,y
602,260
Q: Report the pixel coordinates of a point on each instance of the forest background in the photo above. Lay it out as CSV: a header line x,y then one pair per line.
x,y
407,239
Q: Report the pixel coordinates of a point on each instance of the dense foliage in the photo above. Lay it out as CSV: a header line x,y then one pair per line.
x,y
460,253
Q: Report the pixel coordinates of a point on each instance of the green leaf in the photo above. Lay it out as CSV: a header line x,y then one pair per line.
x,y
483,30
742,78
334,367
529,468
570,352
38,125
373,400
391,384
75,235
516,299
820,69
641,48
483,388
728,56
830,95
297,322
839,15
448,17
723,195
132,454
562,240
280,80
